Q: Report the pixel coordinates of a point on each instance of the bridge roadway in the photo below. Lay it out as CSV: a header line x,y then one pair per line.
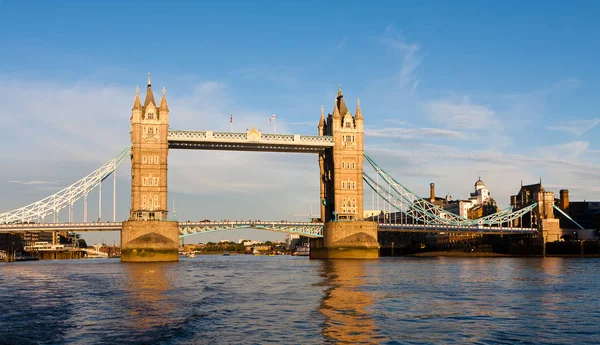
x,y
307,229
252,140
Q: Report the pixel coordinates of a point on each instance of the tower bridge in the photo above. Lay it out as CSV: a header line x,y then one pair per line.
x,y
149,235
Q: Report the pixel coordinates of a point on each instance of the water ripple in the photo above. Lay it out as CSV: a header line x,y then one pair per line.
x,y
288,300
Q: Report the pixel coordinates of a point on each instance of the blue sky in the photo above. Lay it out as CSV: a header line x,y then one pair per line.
x,y
449,90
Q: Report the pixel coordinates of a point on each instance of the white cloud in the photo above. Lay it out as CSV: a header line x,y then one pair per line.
x,y
464,114
414,133
409,53
575,127
33,182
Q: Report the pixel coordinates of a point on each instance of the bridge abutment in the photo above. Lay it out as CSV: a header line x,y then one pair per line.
x,y
346,240
149,241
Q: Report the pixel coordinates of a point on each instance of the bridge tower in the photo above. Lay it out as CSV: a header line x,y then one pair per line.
x,y
548,225
345,233
148,235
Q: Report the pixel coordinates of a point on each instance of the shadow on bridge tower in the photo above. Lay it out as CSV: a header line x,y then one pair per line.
x,y
345,233
148,235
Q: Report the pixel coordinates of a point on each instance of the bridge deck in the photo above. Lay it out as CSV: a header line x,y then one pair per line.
x,y
252,140
304,228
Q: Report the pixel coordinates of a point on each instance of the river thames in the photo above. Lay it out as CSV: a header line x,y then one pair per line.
x,y
244,299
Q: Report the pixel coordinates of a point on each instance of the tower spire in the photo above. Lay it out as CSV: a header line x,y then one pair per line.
x,y
149,95
322,119
163,101
340,102
336,111
137,104
358,114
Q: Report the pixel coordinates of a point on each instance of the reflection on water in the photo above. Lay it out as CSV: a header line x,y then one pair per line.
x,y
345,306
147,284
243,299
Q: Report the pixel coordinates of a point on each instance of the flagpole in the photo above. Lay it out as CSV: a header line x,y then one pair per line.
x,y
275,126
231,123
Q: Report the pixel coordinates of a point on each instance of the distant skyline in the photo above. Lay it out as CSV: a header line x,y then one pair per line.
x,y
448,91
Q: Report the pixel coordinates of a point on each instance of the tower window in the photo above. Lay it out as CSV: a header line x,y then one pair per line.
x,y
150,116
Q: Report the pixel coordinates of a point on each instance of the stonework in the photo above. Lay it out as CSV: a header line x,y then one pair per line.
x,y
149,153
346,240
345,234
148,236
341,168
149,241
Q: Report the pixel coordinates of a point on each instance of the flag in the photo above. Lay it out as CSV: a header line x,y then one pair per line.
x,y
272,118
231,118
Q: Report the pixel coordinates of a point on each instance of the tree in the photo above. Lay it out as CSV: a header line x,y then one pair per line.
x,y
82,243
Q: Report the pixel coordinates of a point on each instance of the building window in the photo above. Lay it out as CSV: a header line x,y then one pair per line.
x,y
155,159
353,165
155,201
348,124
143,159
144,201
150,116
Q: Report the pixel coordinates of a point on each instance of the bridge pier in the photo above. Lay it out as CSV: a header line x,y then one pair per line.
x,y
149,241
548,225
346,240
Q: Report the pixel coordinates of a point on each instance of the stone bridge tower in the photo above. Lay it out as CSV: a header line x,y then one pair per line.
x,y
148,235
345,234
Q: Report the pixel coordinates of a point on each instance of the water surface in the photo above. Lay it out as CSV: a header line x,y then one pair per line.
x,y
293,300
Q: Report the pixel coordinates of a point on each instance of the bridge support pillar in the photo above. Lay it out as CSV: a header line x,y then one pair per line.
x,y
346,240
550,229
149,241
548,225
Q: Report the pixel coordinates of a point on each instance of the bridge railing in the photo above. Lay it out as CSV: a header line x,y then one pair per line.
x,y
242,137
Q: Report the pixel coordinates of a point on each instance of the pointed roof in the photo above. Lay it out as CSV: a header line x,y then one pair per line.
x,y
358,114
149,95
137,104
336,111
340,102
163,100
322,119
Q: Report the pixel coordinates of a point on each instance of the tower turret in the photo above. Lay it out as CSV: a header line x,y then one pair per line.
x,y
163,109
322,121
358,119
136,111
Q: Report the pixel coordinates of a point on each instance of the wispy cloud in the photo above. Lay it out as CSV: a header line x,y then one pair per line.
x,y
575,127
342,42
463,114
409,53
414,133
34,182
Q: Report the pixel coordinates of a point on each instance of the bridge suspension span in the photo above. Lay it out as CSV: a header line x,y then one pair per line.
x,y
423,215
53,204
424,212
